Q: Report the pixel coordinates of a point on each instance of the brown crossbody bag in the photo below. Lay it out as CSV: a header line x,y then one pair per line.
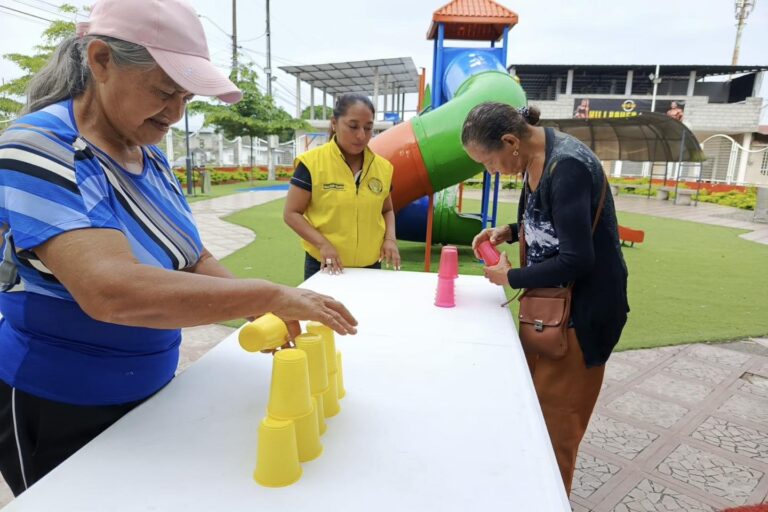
x,y
544,312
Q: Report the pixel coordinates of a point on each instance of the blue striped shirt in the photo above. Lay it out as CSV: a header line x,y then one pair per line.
x,y
53,181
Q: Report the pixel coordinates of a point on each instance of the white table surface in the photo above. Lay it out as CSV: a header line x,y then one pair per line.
x,y
440,415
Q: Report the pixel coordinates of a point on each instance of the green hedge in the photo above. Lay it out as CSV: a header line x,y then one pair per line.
x,y
219,177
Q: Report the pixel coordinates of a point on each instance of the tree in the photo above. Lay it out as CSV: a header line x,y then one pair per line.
x,y
318,112
256,115
12,92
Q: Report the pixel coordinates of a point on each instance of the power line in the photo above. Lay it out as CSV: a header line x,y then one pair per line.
x,y
25,13
61,14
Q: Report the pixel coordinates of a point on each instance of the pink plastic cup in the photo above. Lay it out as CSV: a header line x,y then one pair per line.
x,y
446,293
449,262
489,254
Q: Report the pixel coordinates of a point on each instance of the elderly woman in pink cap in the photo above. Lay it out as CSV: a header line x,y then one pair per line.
x,y
101,261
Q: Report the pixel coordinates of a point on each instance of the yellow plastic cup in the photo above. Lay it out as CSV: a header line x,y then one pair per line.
x,y
328,340
265,333
314,347
277,463
331,405
340,376
308,435
289,396
322,426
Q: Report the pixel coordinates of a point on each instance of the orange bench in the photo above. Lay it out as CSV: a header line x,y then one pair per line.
x,y
631,235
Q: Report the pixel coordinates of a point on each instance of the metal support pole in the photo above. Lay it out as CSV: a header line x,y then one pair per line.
x,y
656,81
496,184
190,178
679,164
428,237
437,82
375,87
269,55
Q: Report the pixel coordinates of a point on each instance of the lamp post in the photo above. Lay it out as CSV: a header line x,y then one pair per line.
x,y
656,79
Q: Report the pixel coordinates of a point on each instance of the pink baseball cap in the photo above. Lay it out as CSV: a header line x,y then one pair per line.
x,y
172,33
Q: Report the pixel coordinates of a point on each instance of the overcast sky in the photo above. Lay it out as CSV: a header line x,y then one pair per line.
x,y
549,32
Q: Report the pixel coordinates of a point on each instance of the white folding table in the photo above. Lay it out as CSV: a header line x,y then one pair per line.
x,y
440,414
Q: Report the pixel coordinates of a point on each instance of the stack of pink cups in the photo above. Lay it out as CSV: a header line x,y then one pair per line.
x,y
446,277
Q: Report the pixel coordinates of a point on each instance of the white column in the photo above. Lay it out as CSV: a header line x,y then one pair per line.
x,y
298,96
691,83
558,86
617,169
169,145
628,85
325,104
569,82
221,148
741,175
239,151
312,101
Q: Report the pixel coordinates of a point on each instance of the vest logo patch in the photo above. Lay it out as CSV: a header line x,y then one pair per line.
x,y
375,185
333,186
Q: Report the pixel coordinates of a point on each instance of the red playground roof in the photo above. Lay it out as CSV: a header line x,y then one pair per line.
x,y
476,20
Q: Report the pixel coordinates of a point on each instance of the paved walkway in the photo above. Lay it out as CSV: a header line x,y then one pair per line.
x,y
675,429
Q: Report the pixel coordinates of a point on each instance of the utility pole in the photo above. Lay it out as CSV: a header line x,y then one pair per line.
x,y
270,138
234,36
269,56
743,8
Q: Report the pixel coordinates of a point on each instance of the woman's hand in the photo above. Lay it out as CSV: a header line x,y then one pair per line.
x,y
294,304
390,254
497,274
495,235
329,259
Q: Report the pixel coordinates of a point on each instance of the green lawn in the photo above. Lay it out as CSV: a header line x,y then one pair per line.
x,y
688,282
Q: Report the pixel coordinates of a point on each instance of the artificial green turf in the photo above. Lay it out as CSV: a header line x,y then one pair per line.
x,y
688,282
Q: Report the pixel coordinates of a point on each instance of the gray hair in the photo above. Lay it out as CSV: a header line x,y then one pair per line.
x,y
67,75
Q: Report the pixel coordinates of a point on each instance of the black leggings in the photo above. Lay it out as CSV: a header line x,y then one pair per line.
x,y
36,434
312,266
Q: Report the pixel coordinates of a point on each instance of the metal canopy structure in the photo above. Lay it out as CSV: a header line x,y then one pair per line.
x,y
649,137
371,77
541,81
472,20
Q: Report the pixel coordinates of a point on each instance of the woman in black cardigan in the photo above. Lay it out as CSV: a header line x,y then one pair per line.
x,y
563,181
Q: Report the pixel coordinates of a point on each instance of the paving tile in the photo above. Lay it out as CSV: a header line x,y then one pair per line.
x,y
616,371
754,384
642,407
696,369
684,391
590,474
642,357
617,437
650,496
749,408
734,438
714,354
711,473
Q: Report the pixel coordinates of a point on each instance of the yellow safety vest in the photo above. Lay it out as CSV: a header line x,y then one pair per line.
x,y
348,215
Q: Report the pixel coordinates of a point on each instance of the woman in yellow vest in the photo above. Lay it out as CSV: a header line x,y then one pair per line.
x,y
339,201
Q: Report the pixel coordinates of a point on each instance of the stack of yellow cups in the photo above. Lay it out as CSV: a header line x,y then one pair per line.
x,y
307,384
290,402
331,396
314,347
